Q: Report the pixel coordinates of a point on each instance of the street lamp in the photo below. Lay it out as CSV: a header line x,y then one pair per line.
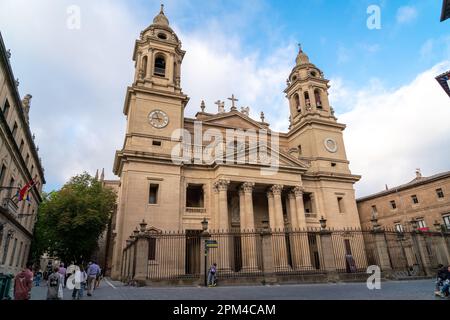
x,y
204,225
323,223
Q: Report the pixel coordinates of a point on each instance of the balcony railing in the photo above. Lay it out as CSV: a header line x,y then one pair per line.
x,y
160,71
10,205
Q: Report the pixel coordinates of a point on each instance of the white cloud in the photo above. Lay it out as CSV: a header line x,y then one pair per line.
x,y
391,132
78,78
406,14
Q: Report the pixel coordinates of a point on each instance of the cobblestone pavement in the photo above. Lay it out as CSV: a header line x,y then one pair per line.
x,y
390,290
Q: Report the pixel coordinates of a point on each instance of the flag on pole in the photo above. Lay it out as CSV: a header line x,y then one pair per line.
x,y
23,192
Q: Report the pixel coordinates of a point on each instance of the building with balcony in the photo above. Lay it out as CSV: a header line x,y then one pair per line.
x,y
19,165
225,166
424,199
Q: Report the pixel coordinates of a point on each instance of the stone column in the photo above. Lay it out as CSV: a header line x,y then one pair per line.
x,y
242,219
301,218
216,216
382,252
225,246
270,207
329,262
278,207
278,238
299,239
292,211
149,64
248,240
420,248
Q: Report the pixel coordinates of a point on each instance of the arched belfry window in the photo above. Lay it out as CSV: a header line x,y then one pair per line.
x,y
144,66
307,100
318,99
297,102
160,65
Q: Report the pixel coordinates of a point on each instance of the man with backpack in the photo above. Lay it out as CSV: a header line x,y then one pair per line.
x,y
23,283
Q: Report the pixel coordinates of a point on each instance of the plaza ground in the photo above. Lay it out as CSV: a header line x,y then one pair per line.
x,y
390,290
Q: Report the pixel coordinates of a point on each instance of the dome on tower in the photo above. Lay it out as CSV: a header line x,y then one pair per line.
x,y
161,19
302,58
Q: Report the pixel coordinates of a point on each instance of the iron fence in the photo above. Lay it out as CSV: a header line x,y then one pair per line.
x,y
253,253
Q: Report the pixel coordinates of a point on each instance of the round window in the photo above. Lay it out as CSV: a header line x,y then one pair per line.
x,y
313,73
330,145
162,36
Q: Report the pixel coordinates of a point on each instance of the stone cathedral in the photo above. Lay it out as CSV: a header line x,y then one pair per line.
x,y
312,178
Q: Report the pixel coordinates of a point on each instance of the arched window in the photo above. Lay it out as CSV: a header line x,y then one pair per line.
x,y
297,102
307,100
318,99
160,66
144,66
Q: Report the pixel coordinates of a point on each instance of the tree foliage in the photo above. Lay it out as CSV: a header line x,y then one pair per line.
x,y
71,220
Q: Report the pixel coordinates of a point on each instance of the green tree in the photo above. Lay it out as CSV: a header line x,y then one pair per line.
x,y
71,220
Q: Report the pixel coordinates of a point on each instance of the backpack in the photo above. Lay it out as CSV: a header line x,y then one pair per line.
x,y
54,281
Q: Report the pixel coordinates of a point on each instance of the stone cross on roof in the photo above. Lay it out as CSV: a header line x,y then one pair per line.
x,y
233,100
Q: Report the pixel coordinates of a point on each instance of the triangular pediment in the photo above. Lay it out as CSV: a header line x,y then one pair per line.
x,y
234,119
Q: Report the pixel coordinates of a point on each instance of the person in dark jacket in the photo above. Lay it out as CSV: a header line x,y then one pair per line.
x,y
445,276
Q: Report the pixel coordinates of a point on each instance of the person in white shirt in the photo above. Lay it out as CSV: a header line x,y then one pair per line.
x,y
77,280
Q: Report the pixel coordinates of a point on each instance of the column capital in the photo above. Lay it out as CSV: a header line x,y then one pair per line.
x,y
222,184
247,187
269,194
276,189
298,191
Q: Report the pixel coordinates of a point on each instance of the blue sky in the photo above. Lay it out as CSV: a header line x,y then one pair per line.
x,y
382,80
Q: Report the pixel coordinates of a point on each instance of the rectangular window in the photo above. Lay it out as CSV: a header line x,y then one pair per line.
x,y
6,109
152,249
446,219
393,205
374,211
153,194
340,201
2,174
194,196
440,193
415,200
156,143
299,150
27,159
13,253
398,227
421,223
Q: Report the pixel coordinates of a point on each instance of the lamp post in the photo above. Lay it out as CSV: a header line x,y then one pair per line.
x,y
323,223
205,234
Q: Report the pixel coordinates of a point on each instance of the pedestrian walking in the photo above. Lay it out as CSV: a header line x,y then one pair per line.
x,y
53,285
23,282
62,271
98,278
83,281
77,283
37,278
92,273
70,270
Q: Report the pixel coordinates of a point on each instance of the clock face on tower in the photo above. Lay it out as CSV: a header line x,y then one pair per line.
x,y
158,119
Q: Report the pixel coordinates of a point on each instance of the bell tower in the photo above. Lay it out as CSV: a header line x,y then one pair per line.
x,y
154,103
314,133
158,56
307,91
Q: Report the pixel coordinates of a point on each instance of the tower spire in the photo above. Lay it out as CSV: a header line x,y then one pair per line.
x,y
162,8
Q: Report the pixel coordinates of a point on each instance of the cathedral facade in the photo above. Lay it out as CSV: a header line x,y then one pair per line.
x,y
225,166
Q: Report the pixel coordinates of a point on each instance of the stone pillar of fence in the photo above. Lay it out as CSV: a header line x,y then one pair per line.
x,y
420,248
267,256
381,250
141,258
329,261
